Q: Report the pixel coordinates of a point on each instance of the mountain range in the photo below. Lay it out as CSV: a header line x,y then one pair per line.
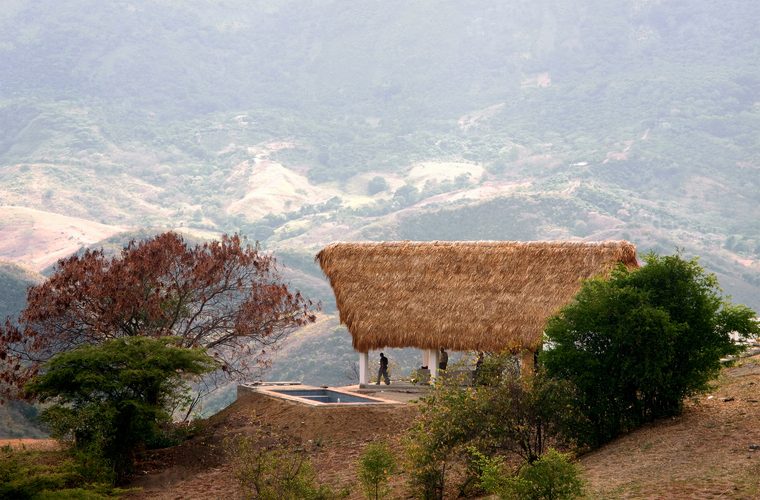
x,y
301,123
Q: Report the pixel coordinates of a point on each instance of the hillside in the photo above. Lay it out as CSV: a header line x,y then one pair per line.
x,y
301,123
37,239
704,453
579,119
14,281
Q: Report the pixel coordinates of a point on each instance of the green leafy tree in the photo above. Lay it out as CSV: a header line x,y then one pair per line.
x,y
637,344
552,477
376,185
507,414
111,398
408,193
376,466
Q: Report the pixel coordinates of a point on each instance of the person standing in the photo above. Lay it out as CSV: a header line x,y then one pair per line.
x,y
383,371
444,361
478,366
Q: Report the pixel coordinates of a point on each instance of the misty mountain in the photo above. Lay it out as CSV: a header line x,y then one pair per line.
x,y
302,122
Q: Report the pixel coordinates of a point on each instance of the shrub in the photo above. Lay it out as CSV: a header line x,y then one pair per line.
x,y
552,477
509,413
376,466
58,475
276,471
427,465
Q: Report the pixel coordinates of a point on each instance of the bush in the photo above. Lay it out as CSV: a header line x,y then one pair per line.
x,y
276,471
377,185
375,468
427,465
507,414
637,344
522,415
551,477
58,475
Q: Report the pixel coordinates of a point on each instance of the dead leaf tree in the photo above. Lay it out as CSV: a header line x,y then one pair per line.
x,y
222,295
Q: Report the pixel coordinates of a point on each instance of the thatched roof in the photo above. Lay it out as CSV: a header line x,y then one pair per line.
x,y
469,295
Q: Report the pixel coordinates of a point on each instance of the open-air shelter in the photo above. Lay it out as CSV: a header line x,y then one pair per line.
x,y
463,296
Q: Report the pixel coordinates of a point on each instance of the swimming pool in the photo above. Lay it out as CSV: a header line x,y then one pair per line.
x,y
326,396
314,396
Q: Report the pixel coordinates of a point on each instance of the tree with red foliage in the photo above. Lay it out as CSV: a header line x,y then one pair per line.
x,y
223,295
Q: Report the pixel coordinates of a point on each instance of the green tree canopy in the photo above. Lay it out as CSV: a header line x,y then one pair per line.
x,y
113,396
637,344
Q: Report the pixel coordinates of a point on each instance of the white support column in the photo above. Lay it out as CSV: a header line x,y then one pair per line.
x,y
426,357
363,369
433,358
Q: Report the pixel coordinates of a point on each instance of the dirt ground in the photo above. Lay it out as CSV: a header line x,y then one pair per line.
x,y
703,454
199,468
706,453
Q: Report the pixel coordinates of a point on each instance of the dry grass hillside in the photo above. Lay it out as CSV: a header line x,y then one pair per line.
x,y
37,239
703,454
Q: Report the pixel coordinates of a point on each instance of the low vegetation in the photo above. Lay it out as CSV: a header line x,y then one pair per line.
x,y
506,414
55,475
376,466
268,468
553,476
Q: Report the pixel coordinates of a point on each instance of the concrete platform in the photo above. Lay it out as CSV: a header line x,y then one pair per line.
x,y
399,390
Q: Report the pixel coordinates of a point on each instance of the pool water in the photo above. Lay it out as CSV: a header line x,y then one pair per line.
x,y
324,396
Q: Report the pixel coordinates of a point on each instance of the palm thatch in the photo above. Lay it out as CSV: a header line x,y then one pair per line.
x,y
470,295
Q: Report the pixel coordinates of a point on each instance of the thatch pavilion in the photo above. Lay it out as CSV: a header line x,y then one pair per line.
x,y
463,296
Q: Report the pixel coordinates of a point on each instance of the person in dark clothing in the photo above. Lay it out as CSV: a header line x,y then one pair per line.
x,y
444,360
478,365
383,372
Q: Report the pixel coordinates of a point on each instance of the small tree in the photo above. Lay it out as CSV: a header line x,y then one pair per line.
x,y
524,415
637,344
507,414
376,185
111,398
552,477
375,468
272,470
427,464
222,295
